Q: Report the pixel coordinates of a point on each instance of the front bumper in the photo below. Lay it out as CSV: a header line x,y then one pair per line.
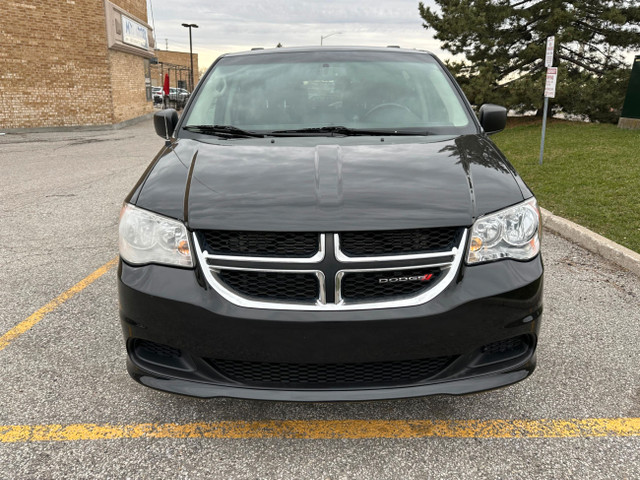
x,y
487,306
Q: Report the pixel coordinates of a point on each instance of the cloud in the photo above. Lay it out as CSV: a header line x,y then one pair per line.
x,y
243,24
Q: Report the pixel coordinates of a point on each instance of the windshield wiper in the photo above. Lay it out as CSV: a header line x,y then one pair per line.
x,y
222,130
341,130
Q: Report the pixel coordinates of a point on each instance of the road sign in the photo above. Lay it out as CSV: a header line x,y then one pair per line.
x,y
550,85
548,57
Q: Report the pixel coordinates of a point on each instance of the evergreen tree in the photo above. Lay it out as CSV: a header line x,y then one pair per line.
x,y
504,41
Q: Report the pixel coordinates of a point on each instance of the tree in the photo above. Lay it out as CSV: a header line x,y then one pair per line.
x,y
503,42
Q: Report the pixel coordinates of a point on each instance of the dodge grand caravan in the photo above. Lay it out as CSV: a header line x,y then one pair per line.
x,y
329,224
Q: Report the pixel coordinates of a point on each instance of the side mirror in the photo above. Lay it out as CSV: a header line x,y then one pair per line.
x,y
493,118
165,122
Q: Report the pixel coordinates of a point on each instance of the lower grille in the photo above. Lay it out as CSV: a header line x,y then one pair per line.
x,y
272,285
384,284
331,375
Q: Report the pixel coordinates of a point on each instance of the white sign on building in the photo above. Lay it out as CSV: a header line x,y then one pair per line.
x,y
134,34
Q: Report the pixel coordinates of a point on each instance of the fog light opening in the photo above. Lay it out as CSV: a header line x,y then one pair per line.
x,y
503,350
151,353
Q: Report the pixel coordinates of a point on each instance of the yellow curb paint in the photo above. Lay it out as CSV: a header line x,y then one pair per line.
x,y
39,314
329,430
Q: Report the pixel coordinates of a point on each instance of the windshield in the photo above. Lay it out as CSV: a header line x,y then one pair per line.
x,y
373,91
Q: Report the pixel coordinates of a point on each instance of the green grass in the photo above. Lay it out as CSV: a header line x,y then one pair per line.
x,y
590,173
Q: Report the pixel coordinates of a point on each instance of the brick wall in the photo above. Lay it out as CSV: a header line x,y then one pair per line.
x,y
129,98
175,58
137,8
56,69
127,86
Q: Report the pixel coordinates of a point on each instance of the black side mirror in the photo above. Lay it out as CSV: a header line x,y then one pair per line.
x,y
493,118
165,122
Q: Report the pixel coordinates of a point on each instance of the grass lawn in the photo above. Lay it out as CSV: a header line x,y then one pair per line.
x,y
590,173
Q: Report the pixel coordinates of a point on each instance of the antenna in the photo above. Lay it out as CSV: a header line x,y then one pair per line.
x,y
166,44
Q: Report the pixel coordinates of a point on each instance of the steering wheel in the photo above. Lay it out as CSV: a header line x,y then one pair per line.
x,y
386,106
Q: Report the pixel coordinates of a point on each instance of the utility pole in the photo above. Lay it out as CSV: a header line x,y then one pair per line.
x,y
322,37
190,26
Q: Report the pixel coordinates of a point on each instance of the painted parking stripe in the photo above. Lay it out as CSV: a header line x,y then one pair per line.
x,y
329,430
39,314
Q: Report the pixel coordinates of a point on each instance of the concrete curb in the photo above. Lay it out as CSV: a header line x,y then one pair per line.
x,y
591,241
81,128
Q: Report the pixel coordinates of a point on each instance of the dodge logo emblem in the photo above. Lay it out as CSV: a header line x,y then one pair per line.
x,y
418,278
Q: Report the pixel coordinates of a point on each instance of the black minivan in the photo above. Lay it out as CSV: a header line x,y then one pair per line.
x,y
330,224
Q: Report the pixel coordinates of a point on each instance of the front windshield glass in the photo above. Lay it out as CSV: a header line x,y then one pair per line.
x,y
305,90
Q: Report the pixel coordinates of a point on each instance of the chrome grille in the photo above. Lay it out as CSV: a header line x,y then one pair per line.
x,y
326,278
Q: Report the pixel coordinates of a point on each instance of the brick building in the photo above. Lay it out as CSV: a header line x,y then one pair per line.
x,y
178,66
74,62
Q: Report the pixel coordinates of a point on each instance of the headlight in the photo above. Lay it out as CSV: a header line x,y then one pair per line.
x,y
510,233
146,237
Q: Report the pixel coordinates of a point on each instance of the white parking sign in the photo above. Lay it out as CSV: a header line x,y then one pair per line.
x,y
548,57
550,85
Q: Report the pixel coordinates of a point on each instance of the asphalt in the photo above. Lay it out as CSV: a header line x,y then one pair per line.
x,y
60,196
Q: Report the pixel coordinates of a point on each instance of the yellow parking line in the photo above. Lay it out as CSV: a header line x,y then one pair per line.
x,y
329,429
39,314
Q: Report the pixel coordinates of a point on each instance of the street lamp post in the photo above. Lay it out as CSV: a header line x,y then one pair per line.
x,y
327,36
189,26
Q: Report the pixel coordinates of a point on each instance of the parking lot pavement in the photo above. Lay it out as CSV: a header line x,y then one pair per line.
x,y
69,410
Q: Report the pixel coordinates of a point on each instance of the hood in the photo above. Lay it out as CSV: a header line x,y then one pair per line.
x,y
337,186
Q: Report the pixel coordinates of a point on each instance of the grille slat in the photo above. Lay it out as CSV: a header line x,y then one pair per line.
x,y
367,285
272,285
399,242
261,244
330,375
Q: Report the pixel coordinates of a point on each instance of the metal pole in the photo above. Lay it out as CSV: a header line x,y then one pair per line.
x,y
322,37
544,126
164,100
189,26
191,55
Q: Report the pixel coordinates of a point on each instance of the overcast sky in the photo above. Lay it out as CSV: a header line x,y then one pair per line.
x,y
236,25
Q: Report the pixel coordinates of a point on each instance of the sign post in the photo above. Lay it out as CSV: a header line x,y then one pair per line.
x,y
549,87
